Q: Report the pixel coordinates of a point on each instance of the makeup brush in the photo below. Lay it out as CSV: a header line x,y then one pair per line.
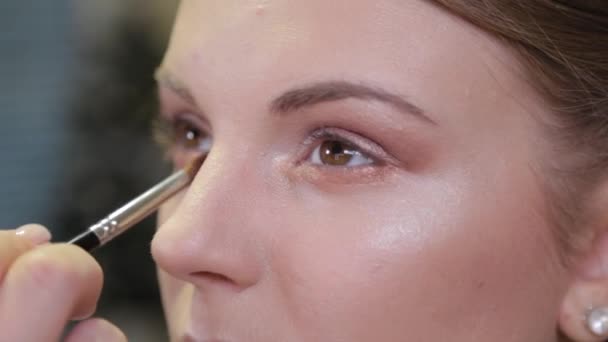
x,y
137,209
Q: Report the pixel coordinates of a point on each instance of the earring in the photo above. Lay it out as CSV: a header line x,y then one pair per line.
x,y
597,321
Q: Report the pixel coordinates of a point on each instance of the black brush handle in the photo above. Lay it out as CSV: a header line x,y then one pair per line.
x,y
87,240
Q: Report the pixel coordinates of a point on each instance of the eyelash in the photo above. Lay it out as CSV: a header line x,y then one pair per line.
x,y
166,133
363,149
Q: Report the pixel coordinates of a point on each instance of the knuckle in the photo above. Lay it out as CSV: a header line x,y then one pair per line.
x,y
44,269
58,266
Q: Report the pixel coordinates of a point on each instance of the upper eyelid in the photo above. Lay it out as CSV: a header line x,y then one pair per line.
x,y
174,116
172,104
372,150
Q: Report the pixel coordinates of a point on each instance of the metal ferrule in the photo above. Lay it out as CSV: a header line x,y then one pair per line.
x,y
140,207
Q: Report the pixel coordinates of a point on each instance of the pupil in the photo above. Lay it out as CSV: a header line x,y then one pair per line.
x,y
335,153
336,148
191,135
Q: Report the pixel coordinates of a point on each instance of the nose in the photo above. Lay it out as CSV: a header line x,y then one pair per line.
x,y
210,238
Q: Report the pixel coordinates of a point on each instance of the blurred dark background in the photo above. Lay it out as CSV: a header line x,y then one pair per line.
x,y
77,97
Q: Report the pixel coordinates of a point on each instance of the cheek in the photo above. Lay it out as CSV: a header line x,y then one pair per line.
x,y
174,293
349,267
407,261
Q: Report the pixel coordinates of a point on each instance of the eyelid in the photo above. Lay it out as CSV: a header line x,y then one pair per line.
x,y
197,120
172,106
366,146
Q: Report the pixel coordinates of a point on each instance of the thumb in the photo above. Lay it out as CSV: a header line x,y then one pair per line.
x,y
96,330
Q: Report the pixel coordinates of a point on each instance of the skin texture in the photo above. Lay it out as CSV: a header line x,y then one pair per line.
x,y
442,237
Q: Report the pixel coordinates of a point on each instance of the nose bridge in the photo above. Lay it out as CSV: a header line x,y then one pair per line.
x,y
219,187
211,231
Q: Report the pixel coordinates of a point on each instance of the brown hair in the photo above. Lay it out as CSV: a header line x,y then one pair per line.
x,y
563,44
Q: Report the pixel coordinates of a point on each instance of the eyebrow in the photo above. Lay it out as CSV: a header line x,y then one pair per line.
x,y
330,91
165,79
313,94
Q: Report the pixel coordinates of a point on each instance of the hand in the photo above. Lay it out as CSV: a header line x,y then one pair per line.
x,y
43,286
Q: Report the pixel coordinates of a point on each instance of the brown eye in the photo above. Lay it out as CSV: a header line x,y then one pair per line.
x,y
188,136
341,149
336,153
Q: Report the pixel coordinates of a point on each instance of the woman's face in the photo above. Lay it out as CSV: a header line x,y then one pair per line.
x,y
373,176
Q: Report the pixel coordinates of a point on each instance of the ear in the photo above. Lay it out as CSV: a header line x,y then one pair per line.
x,y
588,292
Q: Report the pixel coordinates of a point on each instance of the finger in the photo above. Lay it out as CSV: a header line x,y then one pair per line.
x,y
96,330
34,233
13,243
46,287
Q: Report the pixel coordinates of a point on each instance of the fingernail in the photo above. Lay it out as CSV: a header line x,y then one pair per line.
x,y
35,233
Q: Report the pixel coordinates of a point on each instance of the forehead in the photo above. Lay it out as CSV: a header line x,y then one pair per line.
x,y
273,30
410,46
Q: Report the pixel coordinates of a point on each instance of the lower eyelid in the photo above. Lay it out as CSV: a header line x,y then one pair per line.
x,y
180,158
324,174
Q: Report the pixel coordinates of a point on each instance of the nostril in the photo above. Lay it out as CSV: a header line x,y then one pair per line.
x,y
211,276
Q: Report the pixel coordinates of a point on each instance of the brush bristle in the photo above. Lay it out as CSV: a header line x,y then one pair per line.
x,y
193,167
